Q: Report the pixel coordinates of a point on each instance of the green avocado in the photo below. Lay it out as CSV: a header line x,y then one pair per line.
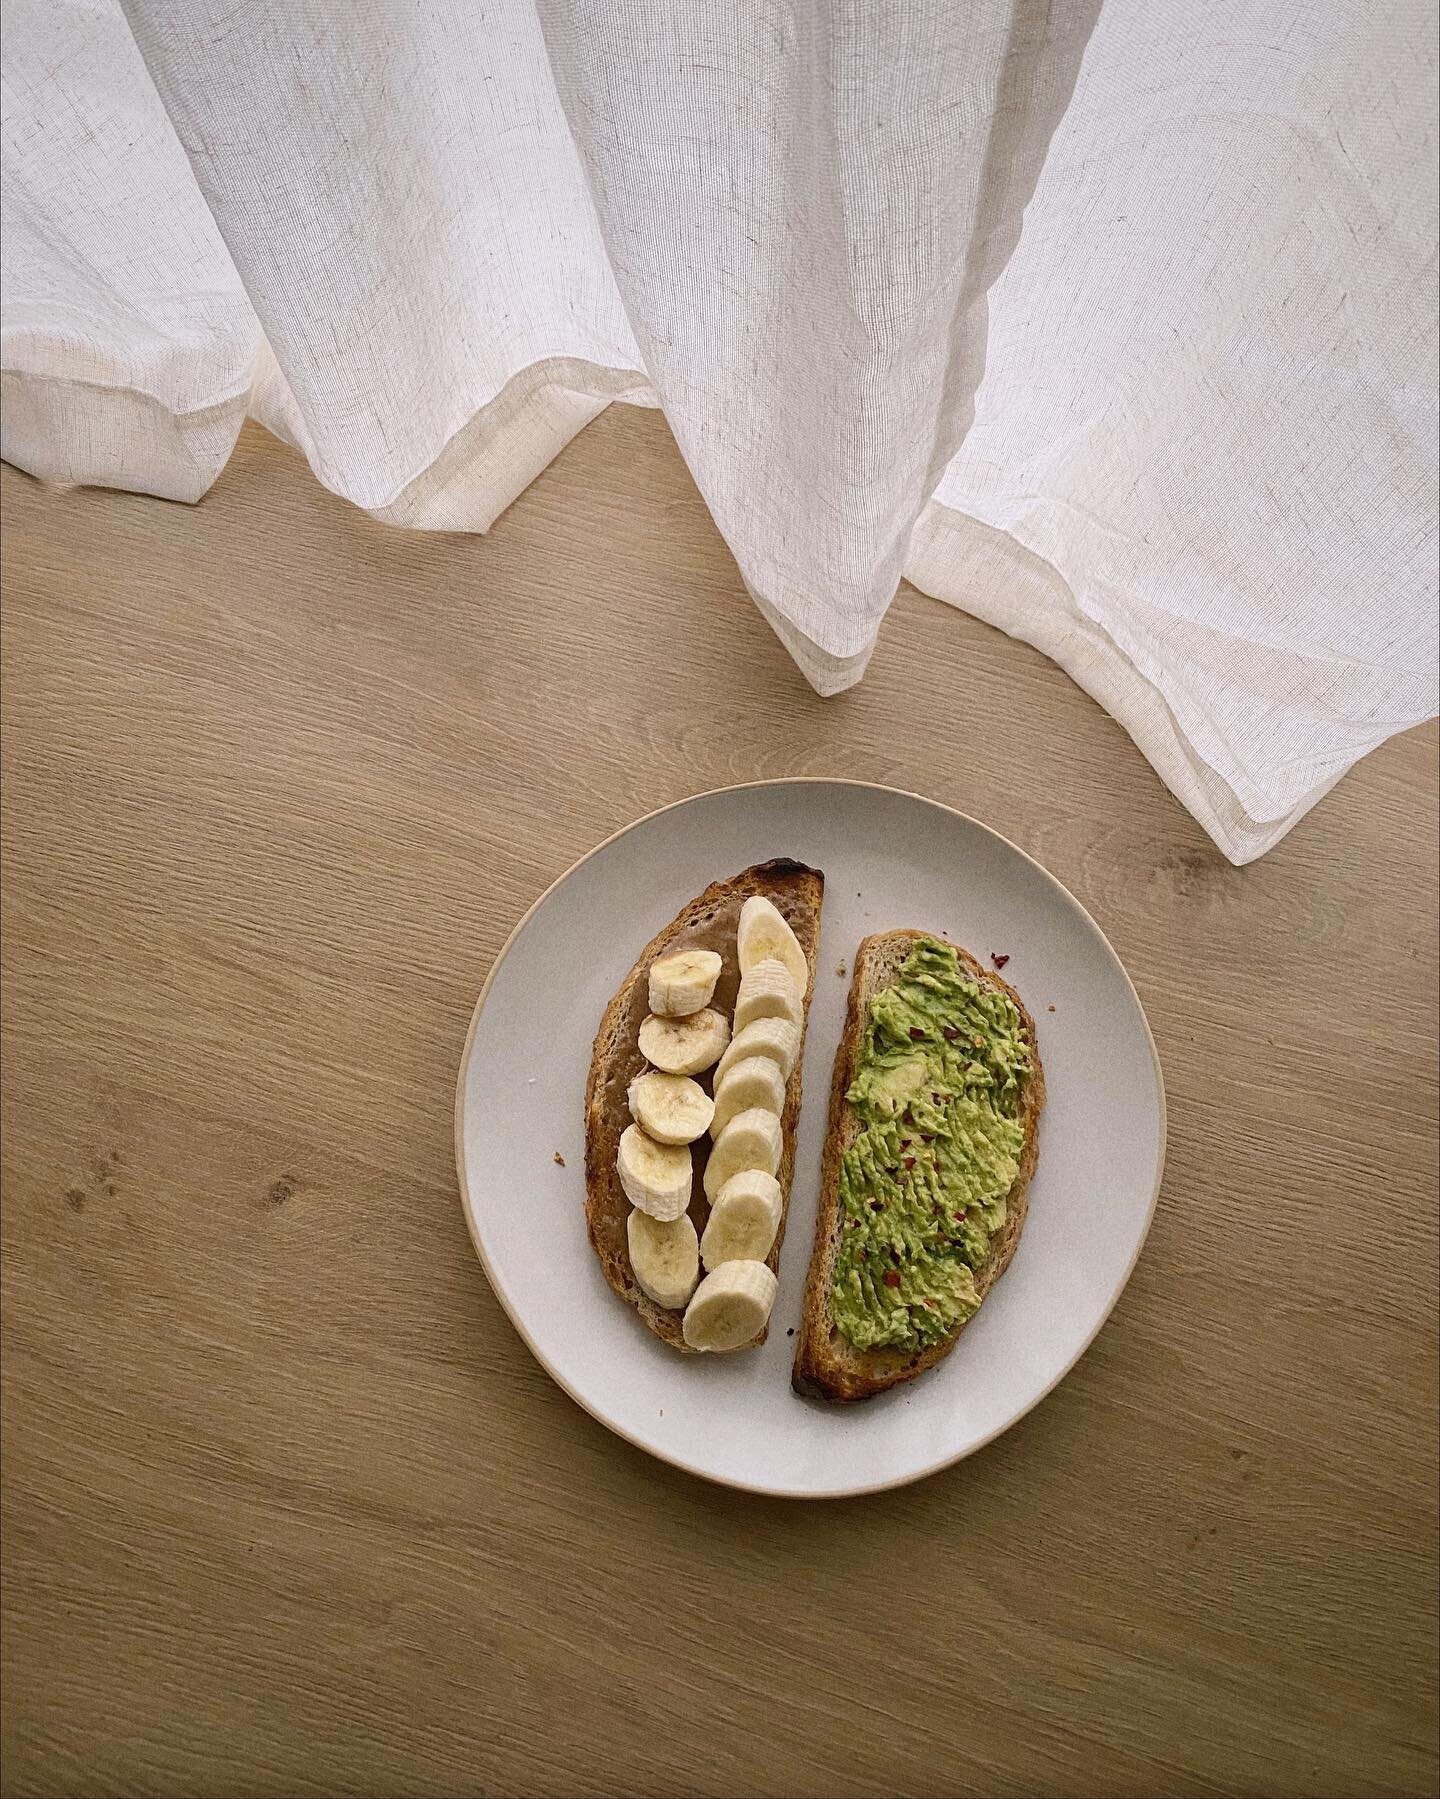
x,y
923,1186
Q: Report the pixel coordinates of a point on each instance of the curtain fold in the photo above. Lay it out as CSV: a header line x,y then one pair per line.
x,y
1113,323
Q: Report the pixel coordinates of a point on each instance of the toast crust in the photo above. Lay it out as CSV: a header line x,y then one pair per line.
x,y
827,1366
708,922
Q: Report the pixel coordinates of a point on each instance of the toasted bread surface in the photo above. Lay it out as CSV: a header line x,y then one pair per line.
x,y
708,922
827,1364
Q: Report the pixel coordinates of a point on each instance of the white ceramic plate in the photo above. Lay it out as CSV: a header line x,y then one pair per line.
x,y
889,859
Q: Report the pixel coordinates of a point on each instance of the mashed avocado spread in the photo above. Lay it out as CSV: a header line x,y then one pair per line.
x,y
937,1090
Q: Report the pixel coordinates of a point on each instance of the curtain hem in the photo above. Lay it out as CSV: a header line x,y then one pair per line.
x,y
983,571
50,430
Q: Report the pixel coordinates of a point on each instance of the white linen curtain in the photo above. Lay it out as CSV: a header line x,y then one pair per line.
x,y
1111,321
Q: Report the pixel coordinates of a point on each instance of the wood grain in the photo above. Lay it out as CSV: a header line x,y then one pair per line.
x,y
288,1508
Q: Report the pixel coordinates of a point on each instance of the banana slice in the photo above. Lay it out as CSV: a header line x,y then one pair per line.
x,y
763,935
750,1140
683,982
655,1176
731,1306
756,1081
671,1108
665,1257
744,1219
684,1045
773,1037
768,990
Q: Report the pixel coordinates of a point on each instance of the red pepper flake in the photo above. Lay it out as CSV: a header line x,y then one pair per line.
x,y
959,1218
904,1143
999,961
892,1277
925,1139
938,1099
909,1161
917,1034
877,1205
928,1302
949,1032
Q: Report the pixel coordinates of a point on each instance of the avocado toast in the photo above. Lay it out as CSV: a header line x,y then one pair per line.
x,y
931,1143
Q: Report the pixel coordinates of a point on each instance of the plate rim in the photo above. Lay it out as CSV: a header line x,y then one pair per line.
x,y
467,1204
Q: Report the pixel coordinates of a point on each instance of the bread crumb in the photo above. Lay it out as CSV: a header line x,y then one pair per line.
x,y
559,1159
840,969
791,1331
1049,1008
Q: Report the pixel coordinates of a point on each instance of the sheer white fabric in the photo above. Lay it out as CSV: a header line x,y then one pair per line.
x,y
1113,323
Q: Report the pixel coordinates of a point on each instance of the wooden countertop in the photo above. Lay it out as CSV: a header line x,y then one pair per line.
x,y
289,1509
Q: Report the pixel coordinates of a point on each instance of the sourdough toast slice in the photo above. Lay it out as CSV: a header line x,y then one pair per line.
x,y
708,922
827,1364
